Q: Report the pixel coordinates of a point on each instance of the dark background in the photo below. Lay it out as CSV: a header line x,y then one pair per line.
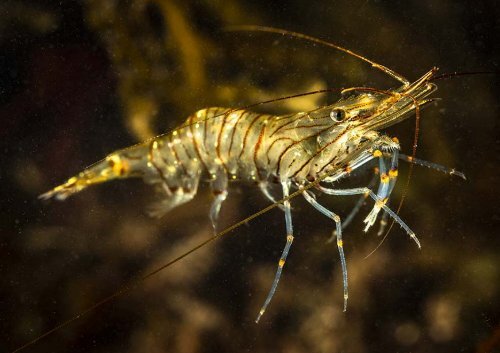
x,y
81,79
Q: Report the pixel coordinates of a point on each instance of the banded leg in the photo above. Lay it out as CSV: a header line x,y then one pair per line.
x,y
219,190
393,173
363,158
432,165
387,182
392,214
289,239
340,244
355,210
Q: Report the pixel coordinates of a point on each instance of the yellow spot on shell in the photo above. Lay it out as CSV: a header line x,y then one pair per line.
x,y
340,243
393,173
118,166
395,139
384,178
377,153
281,263
381,203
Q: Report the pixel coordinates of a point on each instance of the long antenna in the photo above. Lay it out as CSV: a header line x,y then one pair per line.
x,y
252,28
446,76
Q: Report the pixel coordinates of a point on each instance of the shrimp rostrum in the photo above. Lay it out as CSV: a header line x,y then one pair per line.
x,y
299,151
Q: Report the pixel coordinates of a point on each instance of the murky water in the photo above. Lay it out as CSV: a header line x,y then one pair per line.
x,y
79,80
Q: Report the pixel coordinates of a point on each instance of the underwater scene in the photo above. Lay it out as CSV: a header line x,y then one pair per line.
x,y
380,115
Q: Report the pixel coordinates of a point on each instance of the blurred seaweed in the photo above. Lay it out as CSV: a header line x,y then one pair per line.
x,y
79,79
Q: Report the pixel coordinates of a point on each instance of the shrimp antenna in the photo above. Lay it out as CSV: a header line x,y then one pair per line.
x,y
254,28
448,75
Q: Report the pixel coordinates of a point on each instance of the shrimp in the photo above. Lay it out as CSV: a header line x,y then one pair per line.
x,y
302,152
296,150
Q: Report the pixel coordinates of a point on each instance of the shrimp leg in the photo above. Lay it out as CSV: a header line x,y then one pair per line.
x,y
387,182
431,165
381,204
355,209
264,188
340,244
289,239
219,189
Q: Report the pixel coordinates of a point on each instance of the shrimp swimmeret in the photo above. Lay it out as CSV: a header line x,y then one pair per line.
x,y
301,151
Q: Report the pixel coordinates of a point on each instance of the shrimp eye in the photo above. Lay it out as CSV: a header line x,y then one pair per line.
x,y
337,115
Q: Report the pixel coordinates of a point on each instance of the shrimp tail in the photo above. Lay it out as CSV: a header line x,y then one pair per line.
x,y
116,165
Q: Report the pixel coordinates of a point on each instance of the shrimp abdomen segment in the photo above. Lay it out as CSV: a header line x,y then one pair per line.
x,y
227,140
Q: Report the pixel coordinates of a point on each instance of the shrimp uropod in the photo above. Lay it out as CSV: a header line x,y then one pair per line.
x,y
304,151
